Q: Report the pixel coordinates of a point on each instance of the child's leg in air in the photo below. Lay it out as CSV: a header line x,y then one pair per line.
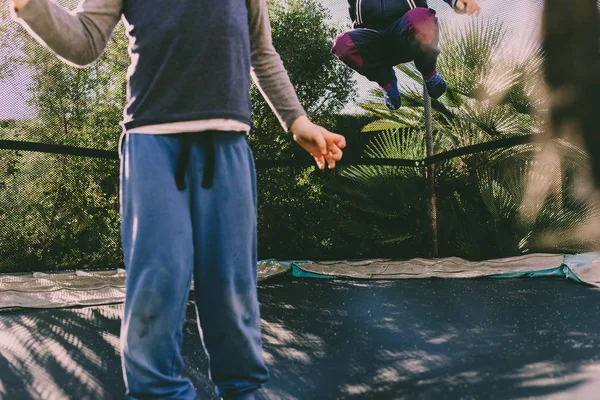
x,y
364,51
225,258
417,33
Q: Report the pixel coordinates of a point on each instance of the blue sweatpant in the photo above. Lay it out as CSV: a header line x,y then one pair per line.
x,y
173,236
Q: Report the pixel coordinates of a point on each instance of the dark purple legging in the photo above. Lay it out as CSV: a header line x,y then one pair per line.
x,y
374,53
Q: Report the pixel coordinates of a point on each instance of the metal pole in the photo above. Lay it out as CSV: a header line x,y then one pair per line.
x,y
430,171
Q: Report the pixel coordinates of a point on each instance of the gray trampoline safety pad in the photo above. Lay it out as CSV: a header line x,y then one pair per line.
x,y
65,289
451,267
582,268
85,288
585,266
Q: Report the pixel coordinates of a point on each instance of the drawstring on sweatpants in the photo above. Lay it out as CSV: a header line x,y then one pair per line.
x,y
206,140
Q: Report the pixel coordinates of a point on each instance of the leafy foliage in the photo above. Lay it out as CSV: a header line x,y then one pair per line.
x,y
295,219
62,212
58,211
493,92
303,38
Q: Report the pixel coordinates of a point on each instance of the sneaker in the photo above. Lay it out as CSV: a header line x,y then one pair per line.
x,y
436,85
391,95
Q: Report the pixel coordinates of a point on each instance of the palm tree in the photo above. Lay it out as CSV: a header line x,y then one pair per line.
x,y
494,92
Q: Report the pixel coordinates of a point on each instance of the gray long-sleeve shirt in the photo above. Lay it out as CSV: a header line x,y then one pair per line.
x,y
80,37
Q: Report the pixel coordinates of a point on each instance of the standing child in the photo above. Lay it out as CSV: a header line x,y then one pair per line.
x,y
391,32
188,187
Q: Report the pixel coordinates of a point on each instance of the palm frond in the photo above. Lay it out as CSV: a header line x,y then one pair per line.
x,y
468,53
404,143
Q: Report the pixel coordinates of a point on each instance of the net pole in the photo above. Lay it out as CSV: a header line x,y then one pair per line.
x,y
430,174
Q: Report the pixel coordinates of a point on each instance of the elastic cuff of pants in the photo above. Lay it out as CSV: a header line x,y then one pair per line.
x,y
429,76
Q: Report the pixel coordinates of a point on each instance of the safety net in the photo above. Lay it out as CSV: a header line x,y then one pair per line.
x,y
453,253
448,183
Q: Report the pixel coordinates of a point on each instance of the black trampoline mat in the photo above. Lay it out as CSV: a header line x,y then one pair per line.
x,y
324,339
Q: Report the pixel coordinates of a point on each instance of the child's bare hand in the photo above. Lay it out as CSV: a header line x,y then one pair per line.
x,y
323,145
18,4
468,7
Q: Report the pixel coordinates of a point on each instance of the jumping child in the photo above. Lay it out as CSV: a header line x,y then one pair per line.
x,y
390,32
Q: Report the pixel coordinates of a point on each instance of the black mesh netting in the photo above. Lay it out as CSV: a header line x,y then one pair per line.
x,y
516,195
62,211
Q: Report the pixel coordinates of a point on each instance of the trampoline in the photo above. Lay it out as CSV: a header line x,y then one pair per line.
x,y
456,260
519,327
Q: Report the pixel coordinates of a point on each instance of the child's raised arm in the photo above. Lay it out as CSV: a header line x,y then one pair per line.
x,y
78,37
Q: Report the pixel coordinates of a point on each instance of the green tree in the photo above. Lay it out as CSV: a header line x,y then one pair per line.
x,y
493,92
60,211
303,38
7,46
293,215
